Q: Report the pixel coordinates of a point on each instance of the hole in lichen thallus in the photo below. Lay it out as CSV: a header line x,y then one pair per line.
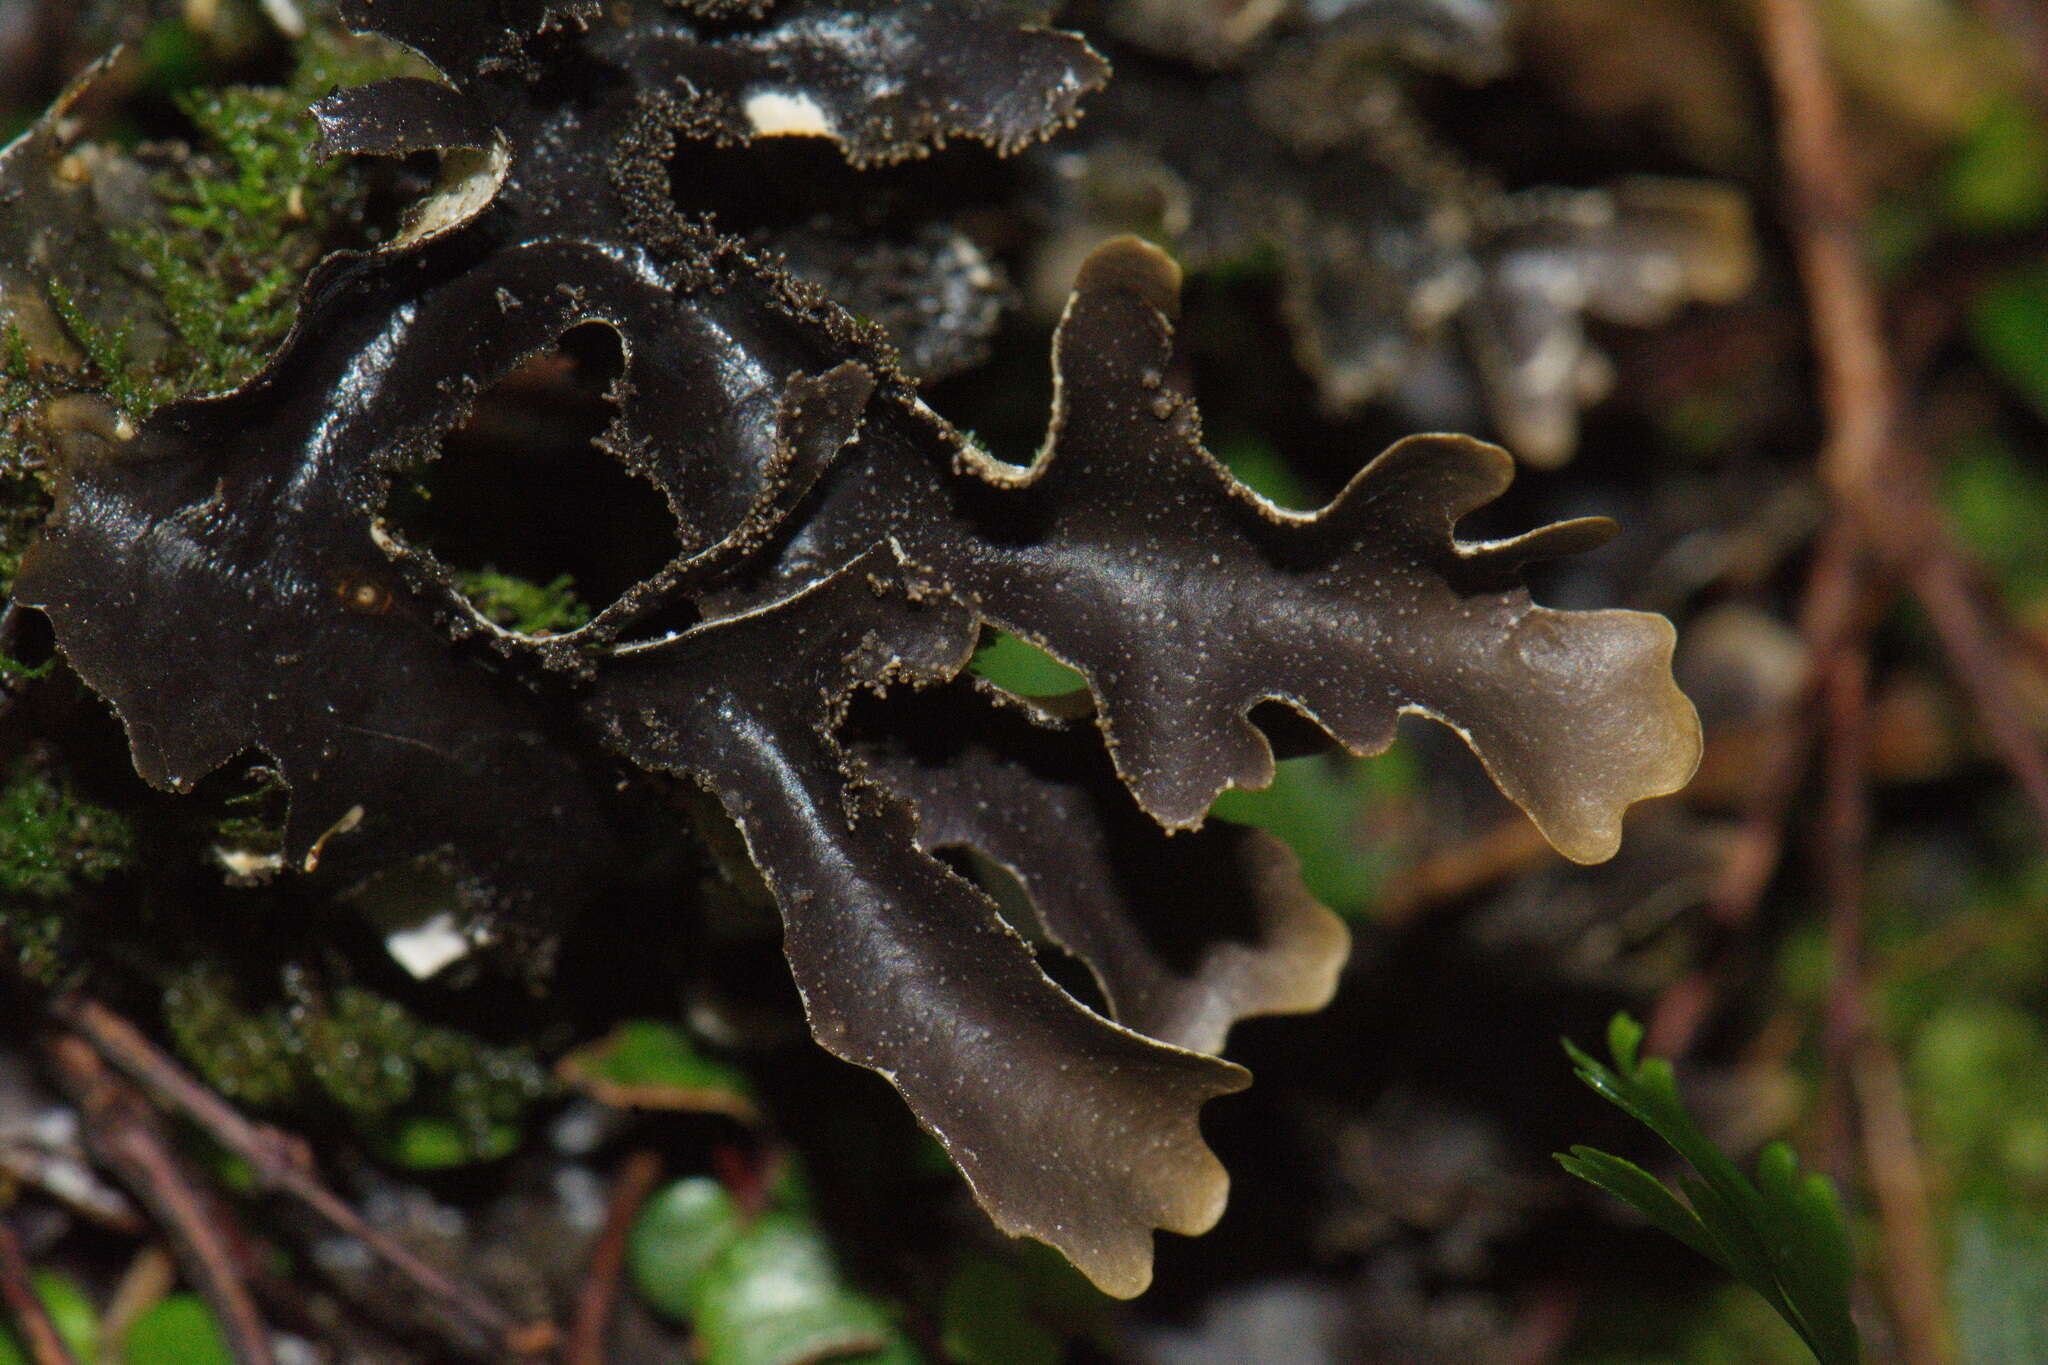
x,y
1016,665
1013,902
542,527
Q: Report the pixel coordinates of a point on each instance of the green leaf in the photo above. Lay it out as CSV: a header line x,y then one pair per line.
x,y
427,1142
71,1313
1784,1236
647,1064
985,1319
1259,466
1016,665
1335,813
759,1292
1997,499
775,1298
2009,324
178,1331
1998,181
679,1234
1635,1186
1624,1041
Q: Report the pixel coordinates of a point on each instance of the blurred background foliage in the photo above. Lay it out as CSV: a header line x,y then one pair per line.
x,y
1393,1197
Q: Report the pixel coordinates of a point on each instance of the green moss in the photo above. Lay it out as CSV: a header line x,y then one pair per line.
x,y
239,219
255,821
246,1056
50,842
35,932
130,387
426,1143
394,1076
551,608
246,217
22,505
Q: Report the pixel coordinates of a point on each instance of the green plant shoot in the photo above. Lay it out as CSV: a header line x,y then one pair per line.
x,y
1783,1235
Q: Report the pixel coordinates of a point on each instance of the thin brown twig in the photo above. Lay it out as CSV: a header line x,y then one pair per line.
x,y
125,1133
1884,484
149,1278
1453,873
1981,667
1905,1213
1844,841
1875,475
636,1181
1838,605
1866,1099
284,1163
1683,1009
56,1175
31,1319
1858,387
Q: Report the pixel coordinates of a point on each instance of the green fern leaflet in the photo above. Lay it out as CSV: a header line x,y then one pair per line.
x,y
1783,1235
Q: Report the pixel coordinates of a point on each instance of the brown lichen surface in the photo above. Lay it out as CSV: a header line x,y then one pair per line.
x,y
226,578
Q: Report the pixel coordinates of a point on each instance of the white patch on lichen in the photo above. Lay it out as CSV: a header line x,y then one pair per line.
x,y
469,181
428,947
247,867
286,16
784,113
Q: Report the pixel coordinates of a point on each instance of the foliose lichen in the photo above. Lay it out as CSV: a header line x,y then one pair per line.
x,y
225,574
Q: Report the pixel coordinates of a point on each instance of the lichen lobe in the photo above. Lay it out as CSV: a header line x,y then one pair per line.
x,y
226,578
